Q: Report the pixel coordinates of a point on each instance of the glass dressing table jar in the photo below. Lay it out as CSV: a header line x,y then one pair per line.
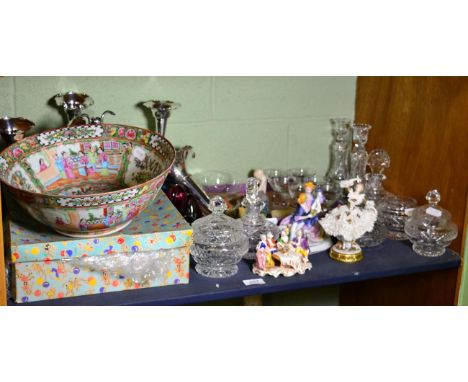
x,y
219,242
430,228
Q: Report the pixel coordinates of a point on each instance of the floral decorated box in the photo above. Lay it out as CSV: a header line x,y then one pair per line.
x,y
45,266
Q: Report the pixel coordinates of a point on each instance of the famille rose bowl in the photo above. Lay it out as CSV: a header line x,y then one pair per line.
x,y
88,180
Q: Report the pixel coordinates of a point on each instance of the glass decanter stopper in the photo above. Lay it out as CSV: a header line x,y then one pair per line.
x,y
254,222
359,155
13,129
73,103
378,161
430,228
339,164
219,242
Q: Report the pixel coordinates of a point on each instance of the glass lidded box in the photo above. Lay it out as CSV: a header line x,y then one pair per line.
x,y
219,242
430,228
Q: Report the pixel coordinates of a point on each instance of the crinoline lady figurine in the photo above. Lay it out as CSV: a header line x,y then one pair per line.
x,y
349,222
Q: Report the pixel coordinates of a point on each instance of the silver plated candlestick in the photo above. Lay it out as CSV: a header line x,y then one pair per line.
x,y
162,111
73,103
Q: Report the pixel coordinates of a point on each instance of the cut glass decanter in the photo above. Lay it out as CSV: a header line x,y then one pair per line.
x,y
254,222
378,162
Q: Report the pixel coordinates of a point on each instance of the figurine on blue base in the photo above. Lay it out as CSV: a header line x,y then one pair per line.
x,y
305,219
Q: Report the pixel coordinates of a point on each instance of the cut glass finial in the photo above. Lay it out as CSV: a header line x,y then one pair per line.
x,y
433,197
217,205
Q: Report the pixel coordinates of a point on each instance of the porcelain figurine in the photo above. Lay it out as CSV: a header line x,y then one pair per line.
x,y
305,219
283,241
349,222
262,178
283,258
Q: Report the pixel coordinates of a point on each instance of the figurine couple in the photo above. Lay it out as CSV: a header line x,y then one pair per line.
x,y
305,218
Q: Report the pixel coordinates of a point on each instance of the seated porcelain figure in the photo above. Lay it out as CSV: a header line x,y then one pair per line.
x,y
305,219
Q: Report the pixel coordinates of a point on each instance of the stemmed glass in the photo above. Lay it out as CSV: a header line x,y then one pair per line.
x,y
298,177
279,181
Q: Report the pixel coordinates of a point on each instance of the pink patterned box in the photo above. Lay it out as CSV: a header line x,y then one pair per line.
x,y
46,265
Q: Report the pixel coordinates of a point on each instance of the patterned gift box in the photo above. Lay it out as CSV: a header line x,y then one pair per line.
x,y
46,265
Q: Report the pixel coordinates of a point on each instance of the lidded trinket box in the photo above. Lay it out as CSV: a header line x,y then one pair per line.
x,y
430,228
219,242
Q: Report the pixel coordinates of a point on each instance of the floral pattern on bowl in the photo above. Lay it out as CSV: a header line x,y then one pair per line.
x,y
88,180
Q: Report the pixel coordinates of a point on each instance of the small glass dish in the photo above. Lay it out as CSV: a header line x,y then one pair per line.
x,y
219,242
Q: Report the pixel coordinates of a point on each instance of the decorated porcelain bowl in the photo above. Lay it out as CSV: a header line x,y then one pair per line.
x,y
89,180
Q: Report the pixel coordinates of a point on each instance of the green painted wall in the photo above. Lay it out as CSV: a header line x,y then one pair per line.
x,y
233,123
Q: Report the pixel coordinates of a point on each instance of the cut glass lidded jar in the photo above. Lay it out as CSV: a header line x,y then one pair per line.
x,y
219,242
430,228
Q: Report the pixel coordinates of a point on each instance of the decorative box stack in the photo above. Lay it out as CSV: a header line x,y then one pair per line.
x,y
44,264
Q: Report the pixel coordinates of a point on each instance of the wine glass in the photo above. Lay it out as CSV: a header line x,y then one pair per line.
x,y
298,177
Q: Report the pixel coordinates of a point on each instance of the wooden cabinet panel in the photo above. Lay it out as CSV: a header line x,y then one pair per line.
x,y
423,124
427,288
